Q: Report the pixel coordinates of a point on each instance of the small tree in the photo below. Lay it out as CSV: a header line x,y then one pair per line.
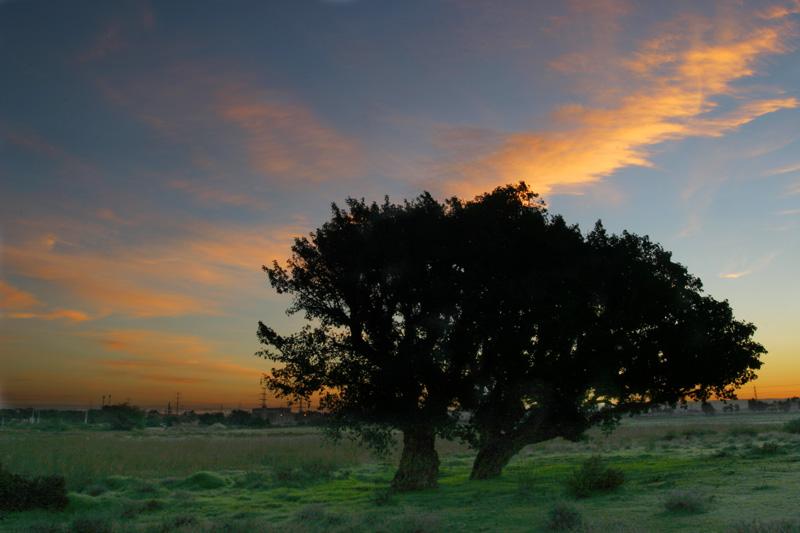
x,y
124,416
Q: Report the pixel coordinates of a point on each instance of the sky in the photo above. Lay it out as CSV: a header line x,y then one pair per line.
x,y
154,155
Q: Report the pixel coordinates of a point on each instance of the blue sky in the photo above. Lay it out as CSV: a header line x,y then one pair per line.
x,y
153,155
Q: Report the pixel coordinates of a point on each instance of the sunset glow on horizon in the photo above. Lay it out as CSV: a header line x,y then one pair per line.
x,y
153,157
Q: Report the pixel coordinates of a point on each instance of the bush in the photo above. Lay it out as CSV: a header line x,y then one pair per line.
x,y
593,476
202,481
697,433
684,501
19,493
304,473
383,496
123,417
564,517
741,431
766,449
792,426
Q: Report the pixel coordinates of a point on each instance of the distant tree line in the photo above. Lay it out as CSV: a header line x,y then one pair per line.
x,y
125,416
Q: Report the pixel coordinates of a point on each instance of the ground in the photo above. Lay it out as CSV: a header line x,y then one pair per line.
x,y
729,472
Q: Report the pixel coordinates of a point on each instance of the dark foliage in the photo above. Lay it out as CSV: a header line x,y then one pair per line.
x,y
123,417
20,493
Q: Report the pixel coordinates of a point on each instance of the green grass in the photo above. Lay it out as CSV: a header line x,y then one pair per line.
x,y
718,479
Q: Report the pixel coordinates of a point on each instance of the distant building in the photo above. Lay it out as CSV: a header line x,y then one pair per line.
x,y
277,416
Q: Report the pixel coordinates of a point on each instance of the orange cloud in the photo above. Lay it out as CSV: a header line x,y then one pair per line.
x,y
149,346
171,379
13,299
676,79
190,268
281,140
178,358
287,140
71,316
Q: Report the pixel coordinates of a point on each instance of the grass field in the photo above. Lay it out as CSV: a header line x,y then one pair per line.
x,y
683,473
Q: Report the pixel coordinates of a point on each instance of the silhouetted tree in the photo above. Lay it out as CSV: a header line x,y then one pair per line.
x,y
123,416
208,419
381,285
495,307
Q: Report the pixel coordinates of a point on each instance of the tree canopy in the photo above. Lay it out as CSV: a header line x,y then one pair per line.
x,y
421,310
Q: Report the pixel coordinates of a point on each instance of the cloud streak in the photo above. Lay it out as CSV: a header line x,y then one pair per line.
x,y
734,269
680,82
188,268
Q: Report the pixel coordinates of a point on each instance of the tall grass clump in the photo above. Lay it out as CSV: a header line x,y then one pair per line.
x,y
564,517
792,426
593,476
742,431
766,449
684,501
20,493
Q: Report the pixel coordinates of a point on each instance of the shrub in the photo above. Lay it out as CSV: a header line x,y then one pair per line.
x,y
684,501
202,481
792,426
19,493
564,517
766,449
304,473
593,476
741,431
697,433
123,417
383,496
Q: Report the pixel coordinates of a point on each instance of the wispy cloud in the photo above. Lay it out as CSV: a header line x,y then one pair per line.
x,y
738,269
71,316
287,141
675,81
182,268
237,138
785,170
14,299
165,357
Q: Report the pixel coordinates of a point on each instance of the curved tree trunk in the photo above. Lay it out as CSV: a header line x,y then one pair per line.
x,y
493,455
419,464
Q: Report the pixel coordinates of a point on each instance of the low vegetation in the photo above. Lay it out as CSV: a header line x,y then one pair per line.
x,y
193,479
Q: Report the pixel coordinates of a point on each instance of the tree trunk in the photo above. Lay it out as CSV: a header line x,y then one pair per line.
x,y
419,464
493,455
